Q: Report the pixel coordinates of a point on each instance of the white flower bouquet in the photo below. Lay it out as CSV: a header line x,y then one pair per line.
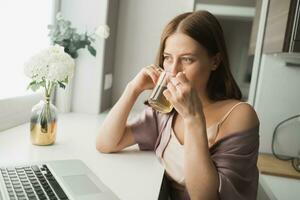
x,y
49,68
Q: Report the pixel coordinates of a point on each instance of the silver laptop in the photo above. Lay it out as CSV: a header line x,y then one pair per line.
x,y
53,180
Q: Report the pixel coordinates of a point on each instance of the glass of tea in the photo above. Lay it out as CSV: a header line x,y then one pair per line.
x,y
157,100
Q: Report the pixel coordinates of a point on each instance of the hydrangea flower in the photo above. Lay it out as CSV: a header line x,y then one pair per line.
x,y
48,68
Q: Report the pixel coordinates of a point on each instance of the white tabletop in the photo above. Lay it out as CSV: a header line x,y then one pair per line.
x,y
276,187
131,174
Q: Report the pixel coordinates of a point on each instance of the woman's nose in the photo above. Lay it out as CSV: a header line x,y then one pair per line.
x,y
175,68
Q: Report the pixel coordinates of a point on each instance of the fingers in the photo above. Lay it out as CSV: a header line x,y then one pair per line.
x,y
174,81
181,77
173,95
178,88
179,80
168,95
173,91
172,88
153,71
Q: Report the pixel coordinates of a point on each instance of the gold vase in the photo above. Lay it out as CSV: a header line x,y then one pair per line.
x,y
43,123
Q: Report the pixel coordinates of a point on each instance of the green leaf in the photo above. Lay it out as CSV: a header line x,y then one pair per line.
x,y
66,80
79,44
61,84
30,84
73,54
92,39
92,50
35,87
42,83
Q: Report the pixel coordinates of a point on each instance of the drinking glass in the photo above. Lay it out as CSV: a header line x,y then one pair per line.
x,y
157,100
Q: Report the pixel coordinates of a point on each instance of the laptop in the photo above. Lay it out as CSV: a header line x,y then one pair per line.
x,y
53,180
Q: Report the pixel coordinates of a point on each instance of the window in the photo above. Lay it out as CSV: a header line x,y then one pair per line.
x,y
23,33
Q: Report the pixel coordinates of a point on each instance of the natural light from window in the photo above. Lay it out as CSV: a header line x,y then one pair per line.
x,y
23,33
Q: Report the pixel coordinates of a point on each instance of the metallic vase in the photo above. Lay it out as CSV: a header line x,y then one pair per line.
x,y
43,123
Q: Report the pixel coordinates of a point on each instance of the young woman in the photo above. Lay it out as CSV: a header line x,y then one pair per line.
x,y
209,143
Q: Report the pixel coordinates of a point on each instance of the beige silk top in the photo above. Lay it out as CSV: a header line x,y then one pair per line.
x,y
173,156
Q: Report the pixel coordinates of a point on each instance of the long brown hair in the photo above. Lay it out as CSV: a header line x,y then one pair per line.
x,y
204,28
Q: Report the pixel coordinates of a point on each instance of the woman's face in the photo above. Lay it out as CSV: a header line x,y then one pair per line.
x,y
184,54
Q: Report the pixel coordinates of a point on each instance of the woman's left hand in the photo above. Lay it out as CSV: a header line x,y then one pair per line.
x,y
183,96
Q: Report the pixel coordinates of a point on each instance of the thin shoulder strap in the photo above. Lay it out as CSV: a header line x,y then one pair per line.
x,y
228,113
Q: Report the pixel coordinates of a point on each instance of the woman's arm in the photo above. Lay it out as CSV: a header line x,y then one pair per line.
x,y
114,134
202,179
201,176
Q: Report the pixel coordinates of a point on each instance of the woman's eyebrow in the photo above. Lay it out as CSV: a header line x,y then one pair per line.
x,y
184,54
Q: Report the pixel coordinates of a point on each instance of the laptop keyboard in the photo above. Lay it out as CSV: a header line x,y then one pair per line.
x,y
32,183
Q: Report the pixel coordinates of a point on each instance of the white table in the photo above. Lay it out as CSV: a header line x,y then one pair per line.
x,y
131,174
277,188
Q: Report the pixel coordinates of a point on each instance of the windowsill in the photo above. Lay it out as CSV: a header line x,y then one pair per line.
x,y
16,110
7,98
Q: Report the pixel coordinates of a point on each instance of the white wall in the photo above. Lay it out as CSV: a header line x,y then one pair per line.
x,y
139,28
87,16
278,98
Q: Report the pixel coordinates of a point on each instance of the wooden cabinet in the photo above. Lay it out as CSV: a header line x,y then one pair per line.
x,y
281,33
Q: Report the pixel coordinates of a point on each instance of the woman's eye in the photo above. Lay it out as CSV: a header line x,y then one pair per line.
x,y
166,58
187,60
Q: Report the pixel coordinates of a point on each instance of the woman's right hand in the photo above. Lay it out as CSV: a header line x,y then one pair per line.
x,y
146,78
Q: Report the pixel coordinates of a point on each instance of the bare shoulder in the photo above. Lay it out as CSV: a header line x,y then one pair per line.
x,y
243,117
